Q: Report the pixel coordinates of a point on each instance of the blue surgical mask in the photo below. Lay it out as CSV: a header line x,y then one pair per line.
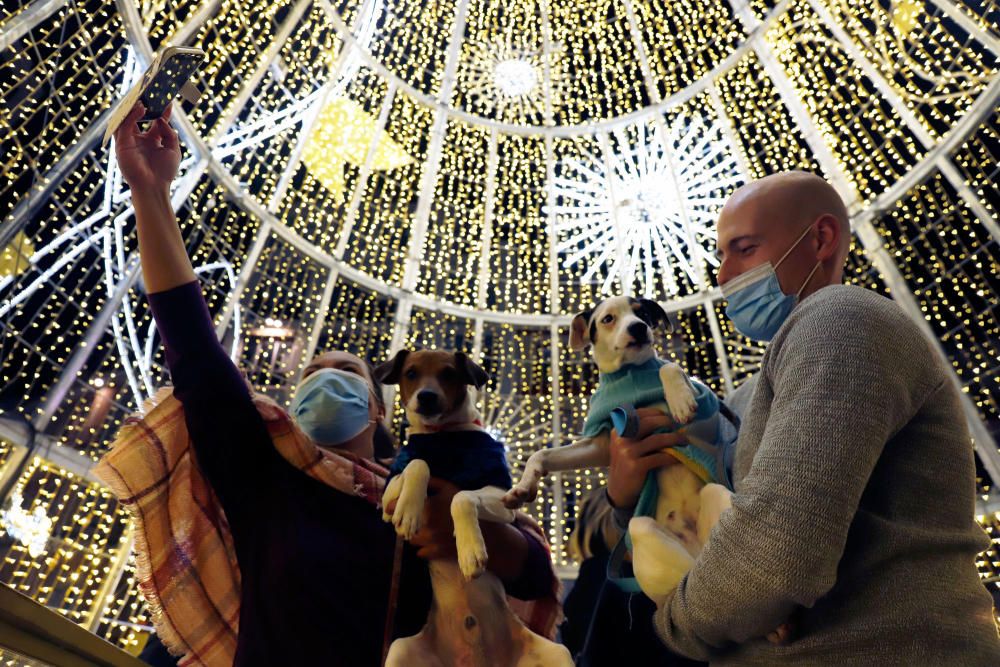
x,y
756,305
331,406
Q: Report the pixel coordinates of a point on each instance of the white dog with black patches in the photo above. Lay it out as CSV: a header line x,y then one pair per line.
x,y
619,331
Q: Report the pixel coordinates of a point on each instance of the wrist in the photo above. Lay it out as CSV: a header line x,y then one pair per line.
x,y
617,501
152,198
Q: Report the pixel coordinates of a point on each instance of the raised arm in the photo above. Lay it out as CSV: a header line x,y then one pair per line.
x,y
149,162
228,435
844,380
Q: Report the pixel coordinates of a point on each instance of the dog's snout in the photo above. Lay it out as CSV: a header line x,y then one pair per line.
x,y
428,401
639,331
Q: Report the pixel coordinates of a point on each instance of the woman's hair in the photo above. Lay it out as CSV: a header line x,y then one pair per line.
x,y
384,443
595,533
376,385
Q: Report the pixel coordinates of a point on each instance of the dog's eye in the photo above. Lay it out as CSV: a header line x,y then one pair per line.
x,y
607,319
447,373
410,374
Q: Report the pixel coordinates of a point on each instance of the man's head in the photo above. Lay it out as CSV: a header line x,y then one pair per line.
x,y
620,331
763,219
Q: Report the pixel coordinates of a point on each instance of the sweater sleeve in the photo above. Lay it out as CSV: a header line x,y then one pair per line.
x,y
847,372
228,435
536,577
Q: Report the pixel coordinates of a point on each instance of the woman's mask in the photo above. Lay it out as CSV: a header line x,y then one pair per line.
x,y
331,406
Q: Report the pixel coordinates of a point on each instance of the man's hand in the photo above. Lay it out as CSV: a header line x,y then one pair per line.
x,y
633,458
782,634
148,160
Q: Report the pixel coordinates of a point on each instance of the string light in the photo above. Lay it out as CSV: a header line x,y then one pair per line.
x,y
566,76
31,529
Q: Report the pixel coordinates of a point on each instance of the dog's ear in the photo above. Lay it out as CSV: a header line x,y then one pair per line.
x,y
579,332
656,314
391,371
470,371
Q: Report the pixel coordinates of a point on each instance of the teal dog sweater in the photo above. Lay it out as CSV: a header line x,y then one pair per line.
x,y
639,385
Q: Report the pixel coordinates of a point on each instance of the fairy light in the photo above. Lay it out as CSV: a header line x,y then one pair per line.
x,y
544,66
32,529
504,78
619,215
87,531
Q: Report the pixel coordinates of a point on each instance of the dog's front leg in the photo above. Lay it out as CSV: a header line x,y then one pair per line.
x,y
678,392
584,453
391,493
467,508
412,494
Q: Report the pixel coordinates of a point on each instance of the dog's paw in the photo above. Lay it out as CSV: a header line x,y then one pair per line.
x,y
471,555
518,496
679,394
407,517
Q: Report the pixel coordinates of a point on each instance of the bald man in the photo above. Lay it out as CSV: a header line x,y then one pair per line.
x,y
853,472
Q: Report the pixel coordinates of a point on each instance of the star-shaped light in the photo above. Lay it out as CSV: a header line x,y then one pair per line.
x,y
645,211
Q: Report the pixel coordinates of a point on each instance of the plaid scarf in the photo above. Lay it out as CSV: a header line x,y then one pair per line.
x,y
185,560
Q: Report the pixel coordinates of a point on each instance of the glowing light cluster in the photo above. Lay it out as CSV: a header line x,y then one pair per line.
x,y
637,215
32,529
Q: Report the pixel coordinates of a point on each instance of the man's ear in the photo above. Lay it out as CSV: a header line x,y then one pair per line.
x,y
391,371
656,314
471,372
828,236
579,332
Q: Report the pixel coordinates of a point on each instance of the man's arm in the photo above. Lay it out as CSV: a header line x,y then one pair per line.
x,y
848,372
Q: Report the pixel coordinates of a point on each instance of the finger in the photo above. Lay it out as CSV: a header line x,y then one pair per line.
x,y
390,506
657,442
167,112
127,132
435,484
650,411
654,461
653,422
169,135
432,552
442,486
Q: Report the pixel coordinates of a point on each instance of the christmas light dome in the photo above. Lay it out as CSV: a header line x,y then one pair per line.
x,y
467,174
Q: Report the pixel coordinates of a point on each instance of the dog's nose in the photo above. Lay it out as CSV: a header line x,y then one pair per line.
x,y
639,331
427,401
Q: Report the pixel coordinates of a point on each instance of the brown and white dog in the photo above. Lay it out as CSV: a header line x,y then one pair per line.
x,y
470,622
620,332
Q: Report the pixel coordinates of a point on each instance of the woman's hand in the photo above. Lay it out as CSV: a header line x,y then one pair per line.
x,y
148,160
633,458
436,537
506,545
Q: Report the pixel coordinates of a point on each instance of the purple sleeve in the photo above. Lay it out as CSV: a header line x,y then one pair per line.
x,y
227,433
536,578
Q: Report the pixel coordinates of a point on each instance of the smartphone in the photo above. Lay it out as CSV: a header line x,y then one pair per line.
x,y
163,84
167,77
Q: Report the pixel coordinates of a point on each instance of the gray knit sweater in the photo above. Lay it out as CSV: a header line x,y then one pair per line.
x,y
853,511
